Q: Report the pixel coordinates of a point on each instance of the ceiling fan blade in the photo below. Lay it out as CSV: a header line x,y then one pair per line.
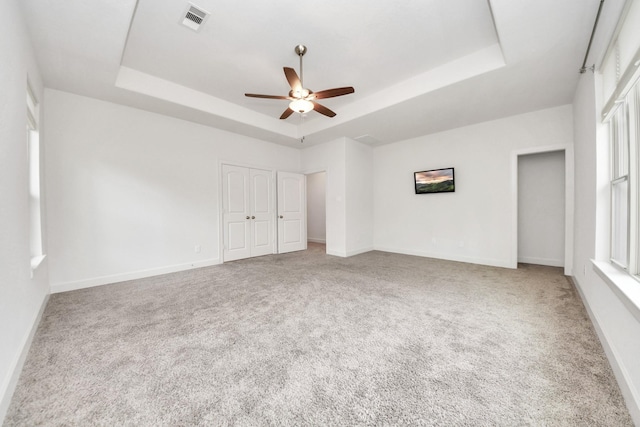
x,y
330,93
256,95
286,113
292,78
322,109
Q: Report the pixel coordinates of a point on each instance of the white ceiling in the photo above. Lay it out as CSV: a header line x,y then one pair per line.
x,y
418,66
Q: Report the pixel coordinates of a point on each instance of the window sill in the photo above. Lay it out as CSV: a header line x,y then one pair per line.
x,y
35,263
626,287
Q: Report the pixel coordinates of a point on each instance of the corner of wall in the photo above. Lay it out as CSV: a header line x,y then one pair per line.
x,y
11,380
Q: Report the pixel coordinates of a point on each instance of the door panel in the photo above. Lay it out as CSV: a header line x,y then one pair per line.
x,y
261,191
235,204
262,233
237,192
292,231
292,228
262,202
237,236
291,202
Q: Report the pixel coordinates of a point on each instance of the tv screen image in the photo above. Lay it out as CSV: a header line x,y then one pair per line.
x,y
435,181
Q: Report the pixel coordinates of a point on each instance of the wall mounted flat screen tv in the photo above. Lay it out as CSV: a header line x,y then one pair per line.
x,y
435,181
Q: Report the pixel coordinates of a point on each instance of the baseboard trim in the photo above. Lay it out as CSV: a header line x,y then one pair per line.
x,y
336,253
134,275
313,240
359,251
630,394
469,260
349,253
11,381
542,261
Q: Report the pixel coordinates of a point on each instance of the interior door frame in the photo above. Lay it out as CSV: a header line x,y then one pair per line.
x,y
306,174
274,225
326,202
568,202
303,206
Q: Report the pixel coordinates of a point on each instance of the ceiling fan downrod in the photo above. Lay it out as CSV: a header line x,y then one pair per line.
x,y
300,51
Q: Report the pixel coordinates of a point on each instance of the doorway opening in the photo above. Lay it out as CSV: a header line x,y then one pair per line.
x,y
543,207
317,208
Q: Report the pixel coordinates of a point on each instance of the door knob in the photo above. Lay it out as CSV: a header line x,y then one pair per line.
x,y
281,217
253,217
247,216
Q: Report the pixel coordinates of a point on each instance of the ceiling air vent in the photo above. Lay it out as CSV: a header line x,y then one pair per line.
x,y
194,17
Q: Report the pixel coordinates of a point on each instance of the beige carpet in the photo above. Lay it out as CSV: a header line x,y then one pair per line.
x,y
309,339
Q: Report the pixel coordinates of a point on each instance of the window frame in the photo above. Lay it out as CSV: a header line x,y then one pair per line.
x,y
634,175
36,249
619,176
624,157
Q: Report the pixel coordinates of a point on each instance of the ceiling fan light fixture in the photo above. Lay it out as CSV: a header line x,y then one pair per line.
x,y
301,106
304,100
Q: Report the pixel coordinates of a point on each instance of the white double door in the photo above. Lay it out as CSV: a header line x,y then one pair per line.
x,y
249,212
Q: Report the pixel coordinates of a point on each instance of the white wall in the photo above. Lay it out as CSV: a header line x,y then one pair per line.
x,y
331,157
22,299
359,197
349,202
617,324
541,208
473,224
316,207
135,191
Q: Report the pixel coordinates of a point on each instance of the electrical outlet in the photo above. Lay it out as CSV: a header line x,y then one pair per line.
x,y
197,249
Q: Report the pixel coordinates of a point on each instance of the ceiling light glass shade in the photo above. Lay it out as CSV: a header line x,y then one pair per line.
x,y
301,105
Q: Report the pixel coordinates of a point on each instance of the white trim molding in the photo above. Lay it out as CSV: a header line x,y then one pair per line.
x,y
447,257
133,275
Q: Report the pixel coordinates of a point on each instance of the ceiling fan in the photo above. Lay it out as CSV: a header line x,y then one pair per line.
x,y
302,99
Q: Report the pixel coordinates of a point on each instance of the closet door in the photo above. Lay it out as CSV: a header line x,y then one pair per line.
x,y
292,213
248,212
261,206
236,213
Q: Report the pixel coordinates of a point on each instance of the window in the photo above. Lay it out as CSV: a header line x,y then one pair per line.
x,y
621,92
634,201
33,147
624,128
619,140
